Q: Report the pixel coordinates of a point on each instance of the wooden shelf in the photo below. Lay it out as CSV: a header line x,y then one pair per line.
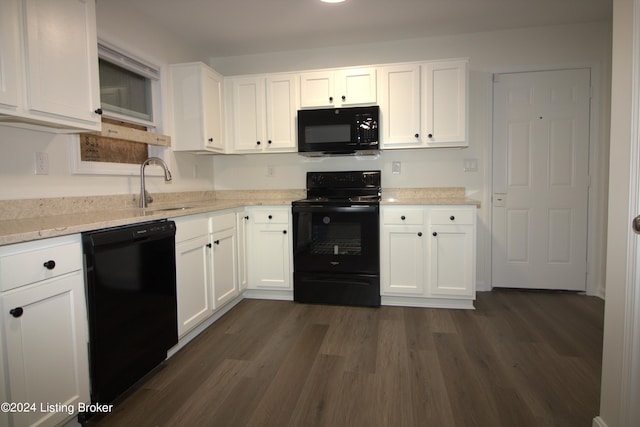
x,y
114,131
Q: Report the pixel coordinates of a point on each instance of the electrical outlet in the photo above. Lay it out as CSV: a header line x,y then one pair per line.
x,y
471,165
396,168
42,164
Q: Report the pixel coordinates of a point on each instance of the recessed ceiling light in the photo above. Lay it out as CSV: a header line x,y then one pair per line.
x,y
332,1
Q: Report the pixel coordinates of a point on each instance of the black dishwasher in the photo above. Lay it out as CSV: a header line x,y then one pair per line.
x,y
131,302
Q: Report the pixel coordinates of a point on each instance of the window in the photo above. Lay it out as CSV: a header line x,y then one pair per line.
x,y
125,92
128,86
129,94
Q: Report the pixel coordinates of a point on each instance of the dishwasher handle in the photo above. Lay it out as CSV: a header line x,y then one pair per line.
x,y
154,230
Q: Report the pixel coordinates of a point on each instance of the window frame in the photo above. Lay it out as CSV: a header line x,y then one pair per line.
x,y
124,59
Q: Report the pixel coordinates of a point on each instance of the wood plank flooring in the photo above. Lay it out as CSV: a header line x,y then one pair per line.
x,y
520,359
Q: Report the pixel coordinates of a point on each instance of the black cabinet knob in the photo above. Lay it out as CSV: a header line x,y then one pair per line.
x,y
217,242
434,234
452,218
344,98
210,140
98,111
16,312
419,233
209,245
246,217
331,99
257,142
50,265
284,231
403,217
417,135
430,135
269,142
270,216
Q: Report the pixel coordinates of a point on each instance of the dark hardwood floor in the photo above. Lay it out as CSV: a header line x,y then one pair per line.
x,y
519,359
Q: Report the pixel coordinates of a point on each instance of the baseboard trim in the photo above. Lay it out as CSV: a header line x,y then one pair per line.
x,y
598,422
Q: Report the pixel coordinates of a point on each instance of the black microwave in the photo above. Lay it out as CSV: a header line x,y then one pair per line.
x,y
336,131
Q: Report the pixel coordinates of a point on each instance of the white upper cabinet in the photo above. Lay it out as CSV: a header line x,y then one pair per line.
x,y
445,103
264,113
198,114
9,59
424,105
49,65
338,88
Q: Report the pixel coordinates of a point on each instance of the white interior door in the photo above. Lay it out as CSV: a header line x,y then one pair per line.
x,y
540,179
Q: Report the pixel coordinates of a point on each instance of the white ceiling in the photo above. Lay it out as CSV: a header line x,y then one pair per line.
x,y
238,27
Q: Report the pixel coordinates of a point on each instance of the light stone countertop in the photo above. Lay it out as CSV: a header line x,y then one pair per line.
x,y
34,219
427,196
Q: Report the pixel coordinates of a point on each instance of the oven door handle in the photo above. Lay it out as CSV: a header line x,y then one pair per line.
x,y
336,209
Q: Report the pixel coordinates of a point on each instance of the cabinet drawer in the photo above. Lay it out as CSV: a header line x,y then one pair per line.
x,y
191,227
403,216
223,222
270,217
452,216
30,264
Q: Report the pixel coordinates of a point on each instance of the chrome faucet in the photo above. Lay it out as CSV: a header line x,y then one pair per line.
x,y
144,196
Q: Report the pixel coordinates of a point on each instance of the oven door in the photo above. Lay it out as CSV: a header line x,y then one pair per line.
x,y
336,239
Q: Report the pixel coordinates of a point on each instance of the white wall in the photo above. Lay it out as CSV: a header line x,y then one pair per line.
x,y
117,25
504,51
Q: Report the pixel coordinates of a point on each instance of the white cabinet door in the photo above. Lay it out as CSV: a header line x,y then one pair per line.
x,y
193,282
445,103
356,86
62,60
242,219
281,97
399,99
452,253
338,88
249,114
451,260
9,58
269,248
316,89
225,283
402,263
213,112
46,347
269,265
197,108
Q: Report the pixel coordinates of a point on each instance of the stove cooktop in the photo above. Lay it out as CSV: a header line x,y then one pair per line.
x,y
342,188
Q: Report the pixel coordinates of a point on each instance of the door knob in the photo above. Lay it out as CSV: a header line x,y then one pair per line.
x,y
635,224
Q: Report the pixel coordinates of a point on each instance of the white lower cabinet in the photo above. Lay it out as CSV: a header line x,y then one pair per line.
x,y
44,331
193,271
428,256
269,244
206,266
